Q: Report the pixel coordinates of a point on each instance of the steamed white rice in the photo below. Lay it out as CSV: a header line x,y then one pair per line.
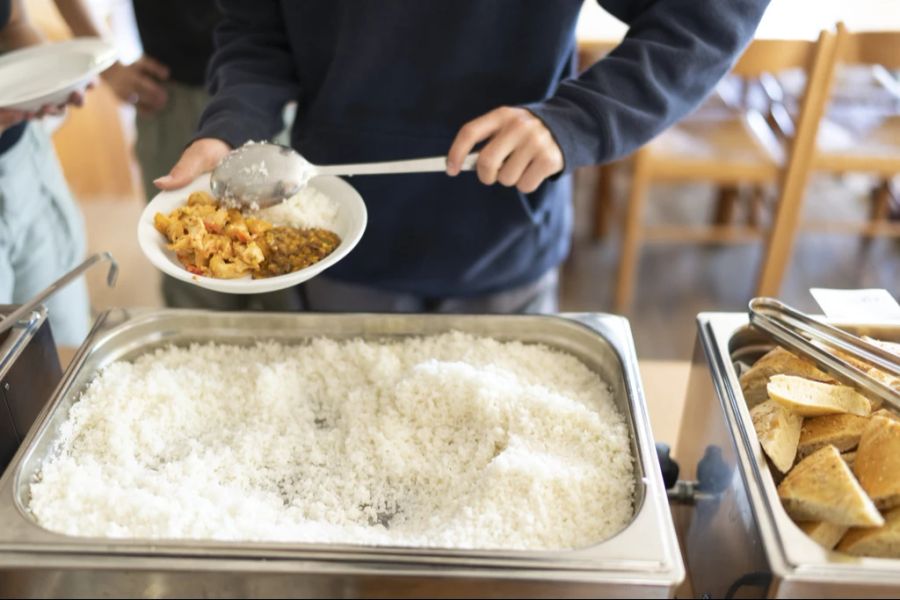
x,y
307,209
448,441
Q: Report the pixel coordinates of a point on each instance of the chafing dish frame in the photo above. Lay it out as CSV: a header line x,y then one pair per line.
x,y
641,560
740,538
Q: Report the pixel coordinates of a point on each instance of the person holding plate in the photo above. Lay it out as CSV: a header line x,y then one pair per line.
x,y
41,228
388,80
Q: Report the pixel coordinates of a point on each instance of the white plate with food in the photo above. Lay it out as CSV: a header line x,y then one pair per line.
x,y
255,251
47,74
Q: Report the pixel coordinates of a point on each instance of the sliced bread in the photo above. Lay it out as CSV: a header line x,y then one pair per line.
x,y
778,430
841,431
877,463
887,413
892,347
776,362
814,398
825,534
822,488
849,457
881,542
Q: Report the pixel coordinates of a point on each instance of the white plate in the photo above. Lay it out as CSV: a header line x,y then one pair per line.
x,y
47,73
351,222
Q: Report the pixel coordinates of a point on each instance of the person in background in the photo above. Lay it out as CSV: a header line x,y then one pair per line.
x,y
381,80
167,87
41,228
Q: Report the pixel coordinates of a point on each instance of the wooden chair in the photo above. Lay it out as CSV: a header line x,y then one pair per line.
x,y
738,149
875,150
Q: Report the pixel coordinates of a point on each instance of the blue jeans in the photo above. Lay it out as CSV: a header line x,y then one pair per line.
x,y
41,235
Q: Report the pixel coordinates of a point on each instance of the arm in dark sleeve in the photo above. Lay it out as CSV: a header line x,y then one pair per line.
x,y
672,57
251,74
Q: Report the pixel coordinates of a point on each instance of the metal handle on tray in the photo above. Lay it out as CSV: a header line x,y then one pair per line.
x,y
813,339
27,308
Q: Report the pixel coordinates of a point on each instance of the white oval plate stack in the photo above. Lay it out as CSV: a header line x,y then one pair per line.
x,y
47,74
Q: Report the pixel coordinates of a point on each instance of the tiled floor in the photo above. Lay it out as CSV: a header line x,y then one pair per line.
x,y
676,281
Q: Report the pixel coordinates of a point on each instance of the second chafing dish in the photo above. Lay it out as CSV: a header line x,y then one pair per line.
x,y
740,541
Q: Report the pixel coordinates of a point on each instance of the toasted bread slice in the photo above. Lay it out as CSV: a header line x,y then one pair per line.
x,y
887,413
886,378
822,488
849,458
825,534
877,463
892,347
880,542
814,398
778,430
841,431
852,360
776,362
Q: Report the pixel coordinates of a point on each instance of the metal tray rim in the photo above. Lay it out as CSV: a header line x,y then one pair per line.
x,y
780,535
615,332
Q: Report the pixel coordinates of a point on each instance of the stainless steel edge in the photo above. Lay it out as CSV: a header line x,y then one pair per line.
x,y
19,336
644,554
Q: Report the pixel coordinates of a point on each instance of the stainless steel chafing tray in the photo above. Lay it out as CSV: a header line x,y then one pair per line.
x,y
740,542
642,560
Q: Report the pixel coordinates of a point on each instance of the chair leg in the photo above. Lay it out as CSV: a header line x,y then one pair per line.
x,y
881,202
755,207
780,241
725,202
603,200
631,236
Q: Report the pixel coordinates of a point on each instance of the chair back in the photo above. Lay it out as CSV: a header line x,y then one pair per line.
x,y
868,47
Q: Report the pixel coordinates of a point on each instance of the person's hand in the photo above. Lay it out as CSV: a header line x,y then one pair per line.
x,y
10,117
201,156
521,152
139,83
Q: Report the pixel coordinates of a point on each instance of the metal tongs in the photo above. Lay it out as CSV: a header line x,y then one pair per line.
x,y
816,340
26,309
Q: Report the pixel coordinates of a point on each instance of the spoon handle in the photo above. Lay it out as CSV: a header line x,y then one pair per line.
x,y
418,165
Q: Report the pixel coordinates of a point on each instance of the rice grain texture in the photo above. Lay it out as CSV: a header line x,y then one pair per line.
x,y
307,209
442,441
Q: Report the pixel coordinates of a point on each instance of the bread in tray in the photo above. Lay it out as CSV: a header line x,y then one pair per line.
x,y
846,462
823,533
841,431
814,398
776,362
880,542
892,347
849,458
877,462
885,378
822,488
779,432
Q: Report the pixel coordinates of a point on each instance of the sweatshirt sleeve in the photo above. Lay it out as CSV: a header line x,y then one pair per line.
x,y
672,57
251,73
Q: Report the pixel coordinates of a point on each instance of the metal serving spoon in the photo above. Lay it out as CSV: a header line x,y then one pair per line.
x,y
257,175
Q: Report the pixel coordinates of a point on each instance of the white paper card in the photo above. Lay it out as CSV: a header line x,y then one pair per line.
x,y
869,305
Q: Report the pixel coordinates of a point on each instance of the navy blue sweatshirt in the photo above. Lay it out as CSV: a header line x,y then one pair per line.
x,y
393,79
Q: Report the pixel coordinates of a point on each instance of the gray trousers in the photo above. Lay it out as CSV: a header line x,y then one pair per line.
x,y
327,295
